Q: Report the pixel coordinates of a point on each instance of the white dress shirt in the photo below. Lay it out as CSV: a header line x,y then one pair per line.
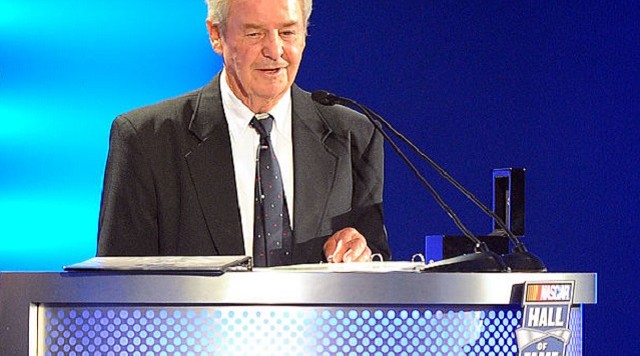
x,y
244,146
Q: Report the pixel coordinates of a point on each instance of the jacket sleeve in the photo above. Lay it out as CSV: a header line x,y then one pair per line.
x,y
128,215
368,180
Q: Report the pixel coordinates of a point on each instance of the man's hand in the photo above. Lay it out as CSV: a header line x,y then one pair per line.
x,y
347,245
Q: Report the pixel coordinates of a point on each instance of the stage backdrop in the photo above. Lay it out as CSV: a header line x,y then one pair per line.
x,y
478,85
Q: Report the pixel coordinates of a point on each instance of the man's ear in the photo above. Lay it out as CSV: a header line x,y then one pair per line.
x,y
215,37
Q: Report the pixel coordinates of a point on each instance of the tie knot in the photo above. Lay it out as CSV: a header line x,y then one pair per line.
x,y
262,123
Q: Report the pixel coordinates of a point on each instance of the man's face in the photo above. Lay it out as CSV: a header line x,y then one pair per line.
x,y
261,47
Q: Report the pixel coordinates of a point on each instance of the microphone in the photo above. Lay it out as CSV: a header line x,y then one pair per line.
x,y
327,99
483,259
519,260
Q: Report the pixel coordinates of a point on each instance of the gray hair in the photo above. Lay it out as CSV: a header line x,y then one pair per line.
x,y
219,11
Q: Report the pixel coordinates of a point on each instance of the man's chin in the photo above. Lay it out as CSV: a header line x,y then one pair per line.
x,y
272,92
264,100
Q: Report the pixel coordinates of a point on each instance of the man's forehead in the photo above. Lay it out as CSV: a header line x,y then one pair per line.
x,y
258,11
252,25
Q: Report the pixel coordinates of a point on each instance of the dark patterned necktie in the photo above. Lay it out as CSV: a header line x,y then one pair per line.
x,y
272,231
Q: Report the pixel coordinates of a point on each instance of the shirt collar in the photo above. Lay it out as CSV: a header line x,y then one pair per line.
x,y
239,115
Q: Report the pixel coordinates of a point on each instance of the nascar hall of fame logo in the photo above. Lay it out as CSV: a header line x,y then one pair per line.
x,y
545,322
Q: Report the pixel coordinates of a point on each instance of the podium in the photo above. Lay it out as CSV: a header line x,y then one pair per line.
x,y
272,312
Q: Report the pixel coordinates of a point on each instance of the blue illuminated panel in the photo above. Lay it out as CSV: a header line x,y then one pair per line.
x,y
141,330
60,89
575,325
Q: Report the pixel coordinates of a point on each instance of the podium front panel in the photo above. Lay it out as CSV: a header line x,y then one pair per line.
x,y
294,330
271,313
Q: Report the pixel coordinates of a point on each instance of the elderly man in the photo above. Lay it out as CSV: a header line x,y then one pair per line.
x,y
248,164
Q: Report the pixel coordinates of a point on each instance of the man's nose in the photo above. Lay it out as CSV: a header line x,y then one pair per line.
x,y
272,45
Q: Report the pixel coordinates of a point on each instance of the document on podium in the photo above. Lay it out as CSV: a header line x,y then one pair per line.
x,y
368,267
212,265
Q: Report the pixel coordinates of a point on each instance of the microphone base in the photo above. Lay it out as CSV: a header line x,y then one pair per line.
x,y
473,262
523,261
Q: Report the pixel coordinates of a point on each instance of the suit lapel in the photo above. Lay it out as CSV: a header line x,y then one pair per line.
x,y
314,166
211,168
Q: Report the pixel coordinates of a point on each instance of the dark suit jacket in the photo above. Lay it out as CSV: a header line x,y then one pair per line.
x,y
169,186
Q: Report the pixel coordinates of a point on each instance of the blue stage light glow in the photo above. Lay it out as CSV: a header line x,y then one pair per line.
x,y
66,70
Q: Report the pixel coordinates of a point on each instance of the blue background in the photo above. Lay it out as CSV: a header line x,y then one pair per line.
x,y
550,86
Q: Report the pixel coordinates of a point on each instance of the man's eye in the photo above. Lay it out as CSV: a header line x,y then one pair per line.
x,y
253,34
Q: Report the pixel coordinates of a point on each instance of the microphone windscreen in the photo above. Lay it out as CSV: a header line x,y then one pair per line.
x,y
323,97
